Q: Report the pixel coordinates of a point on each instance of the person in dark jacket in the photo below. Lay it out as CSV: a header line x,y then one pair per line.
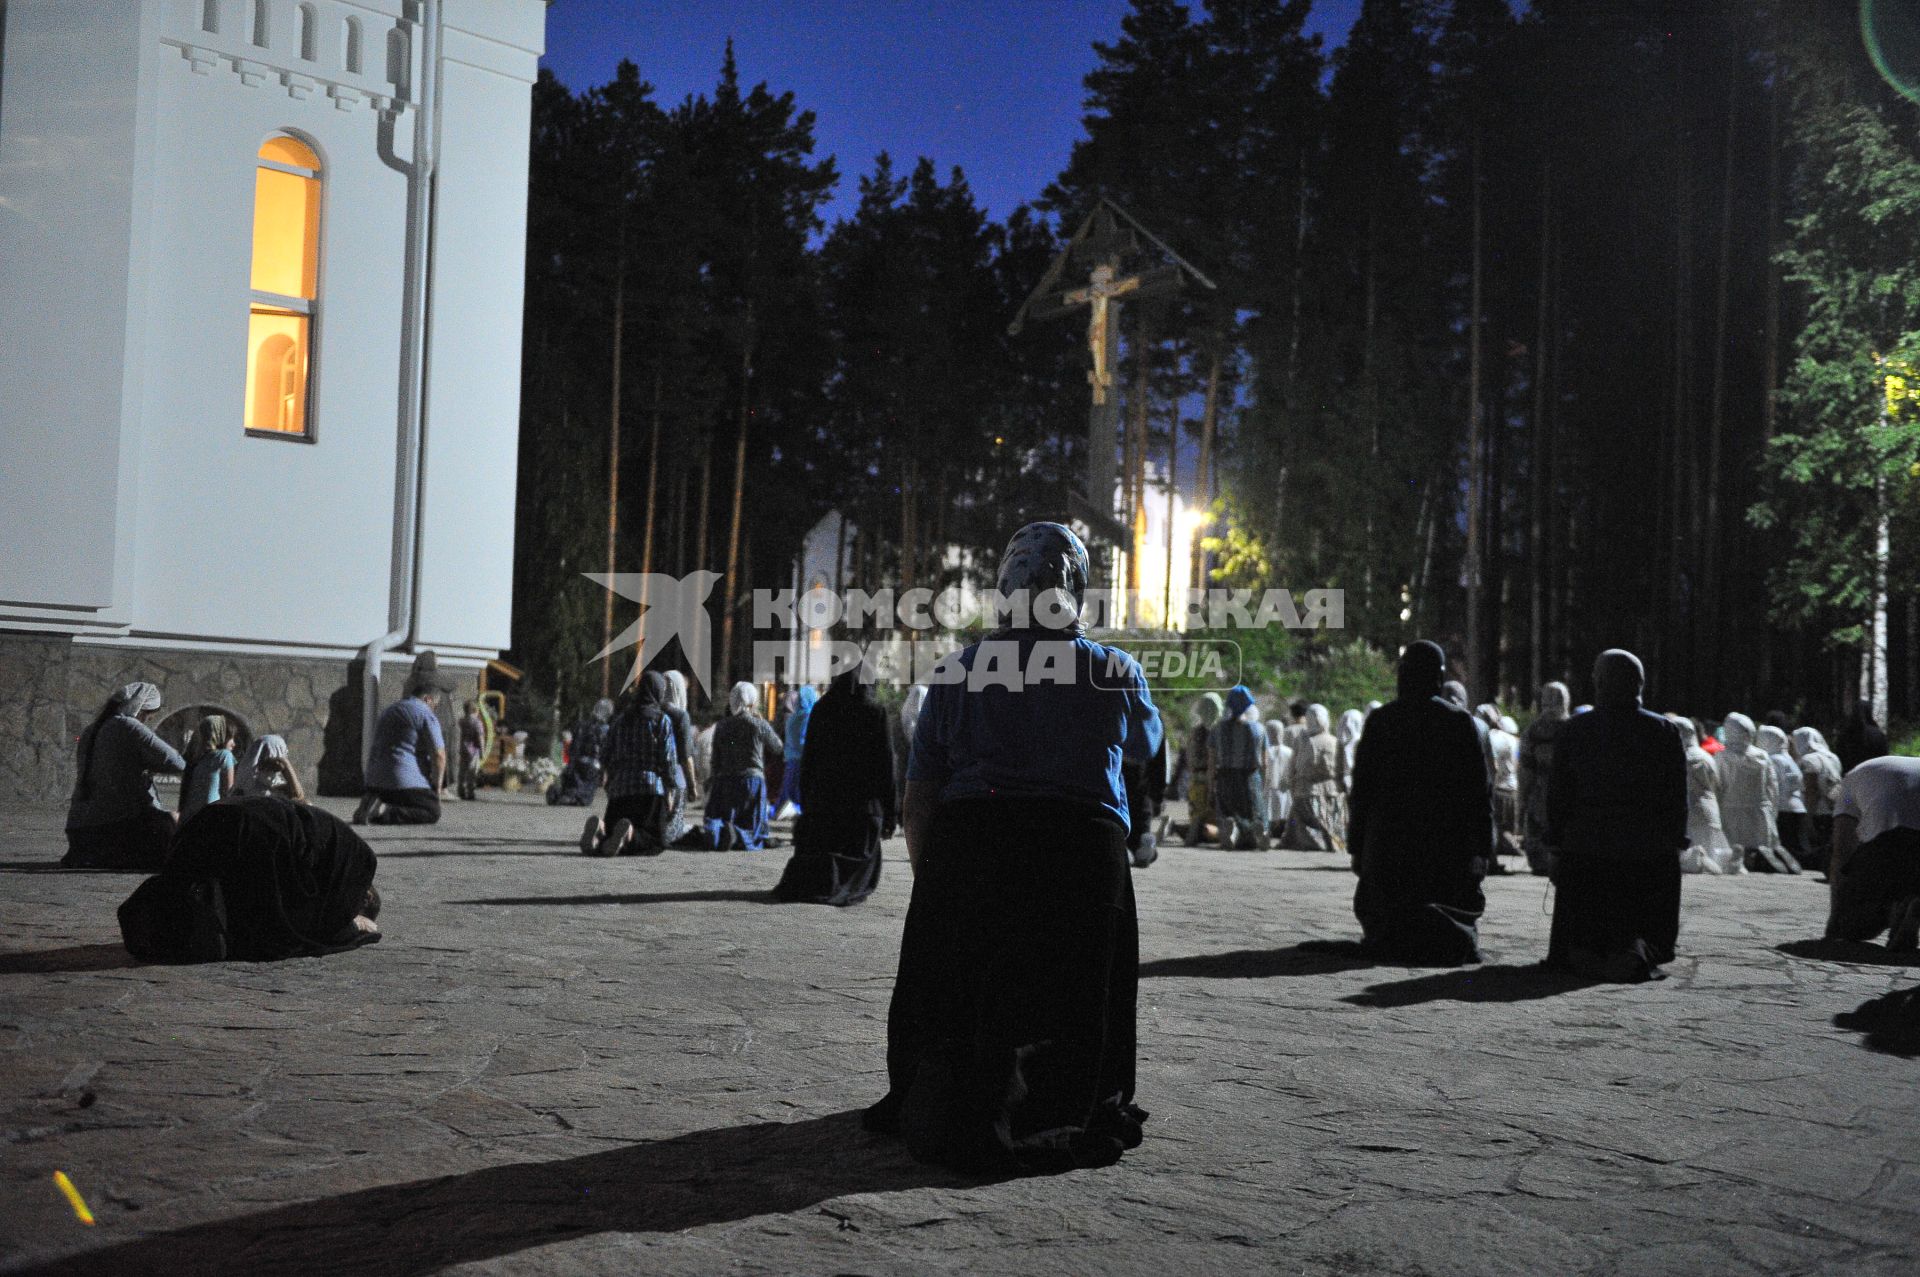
x,y
1420,827
1617,821
847,800
1860,739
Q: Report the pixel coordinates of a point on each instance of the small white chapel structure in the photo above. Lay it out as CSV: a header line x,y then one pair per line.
x,y
261,273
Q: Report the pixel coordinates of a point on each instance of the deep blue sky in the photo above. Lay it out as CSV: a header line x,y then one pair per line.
x,y
990,85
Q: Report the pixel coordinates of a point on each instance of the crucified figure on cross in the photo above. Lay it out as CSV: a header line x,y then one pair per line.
x,y
1098,297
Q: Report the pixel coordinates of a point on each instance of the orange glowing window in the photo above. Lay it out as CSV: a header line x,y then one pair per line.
x,y
285,288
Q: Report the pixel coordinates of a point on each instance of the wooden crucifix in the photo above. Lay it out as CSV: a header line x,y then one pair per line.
x,y
1106,245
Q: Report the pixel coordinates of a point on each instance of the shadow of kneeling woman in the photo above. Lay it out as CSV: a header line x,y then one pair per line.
x,y
706,1177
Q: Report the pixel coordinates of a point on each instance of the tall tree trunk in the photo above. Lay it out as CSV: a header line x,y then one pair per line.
x,y
739,489
1476,639
1203,480
1537,462
1173,514
1137,465
1683,521
1913,652
653,487
1771,412
680,523
1709,585
700,557
1370,377
613,455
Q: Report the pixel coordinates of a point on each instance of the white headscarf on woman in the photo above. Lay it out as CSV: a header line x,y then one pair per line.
x,y
131,701
676,689
247,779
1352,722
743,699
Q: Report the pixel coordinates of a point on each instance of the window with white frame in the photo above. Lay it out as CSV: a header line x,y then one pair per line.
x,y
284,308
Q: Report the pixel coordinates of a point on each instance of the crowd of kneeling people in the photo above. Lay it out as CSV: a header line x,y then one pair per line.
x,y
1011,1034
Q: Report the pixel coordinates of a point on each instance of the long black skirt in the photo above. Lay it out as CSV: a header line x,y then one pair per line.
x,y
137,844
836,855
1010,1041
1612,904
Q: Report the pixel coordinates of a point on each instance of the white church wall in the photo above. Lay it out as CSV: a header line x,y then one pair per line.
x,y
70,150
220,508
490,58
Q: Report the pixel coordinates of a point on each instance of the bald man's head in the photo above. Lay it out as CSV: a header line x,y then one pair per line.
x,y
1618,677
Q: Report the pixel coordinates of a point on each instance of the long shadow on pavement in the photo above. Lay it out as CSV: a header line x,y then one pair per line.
x,y
707,1177
79,957
637,898
1311,957
1856,951
1474,984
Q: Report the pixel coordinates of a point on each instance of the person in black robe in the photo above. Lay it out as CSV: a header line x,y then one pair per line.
x,y
1420,824
847,798
275,879
1859,739
1617,822
1010,1038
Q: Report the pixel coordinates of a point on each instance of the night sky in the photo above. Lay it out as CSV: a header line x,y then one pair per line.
x,y
990,85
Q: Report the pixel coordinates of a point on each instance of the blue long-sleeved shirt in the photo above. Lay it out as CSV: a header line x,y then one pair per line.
x,y
1077,708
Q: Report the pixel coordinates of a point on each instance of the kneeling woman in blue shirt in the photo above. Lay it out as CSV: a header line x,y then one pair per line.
x,y
1010,1041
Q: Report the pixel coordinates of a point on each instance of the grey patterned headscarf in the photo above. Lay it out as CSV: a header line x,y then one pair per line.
x,y
1042,558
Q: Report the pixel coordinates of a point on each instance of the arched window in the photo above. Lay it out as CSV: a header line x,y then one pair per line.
x,y
210,16
309,33
350,38
261,31
286,288
399,61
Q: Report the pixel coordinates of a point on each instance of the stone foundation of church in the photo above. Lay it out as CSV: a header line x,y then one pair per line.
x,y
51,687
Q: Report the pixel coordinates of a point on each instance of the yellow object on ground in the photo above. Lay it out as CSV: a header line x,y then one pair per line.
x,y
73,1198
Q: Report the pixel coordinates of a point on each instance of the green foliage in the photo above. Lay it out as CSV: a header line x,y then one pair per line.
x,y
1905,742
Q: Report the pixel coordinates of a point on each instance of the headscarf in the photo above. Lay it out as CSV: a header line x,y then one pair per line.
x,y
848,684
676,689
1490,715
1421,668
1207,710
1772,740
1352,723
1456,691
130,701
425,676
603,710
1554,700
265,750
1808,740
1319,721
743,699
1372,706
1508,726
651,700
1689,737
1040,559
1618,677
910,706
209,734
1737,731
1239,701
1276,732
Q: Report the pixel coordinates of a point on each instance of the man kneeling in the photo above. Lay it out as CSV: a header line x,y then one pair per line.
x,y
1875,867
1421,827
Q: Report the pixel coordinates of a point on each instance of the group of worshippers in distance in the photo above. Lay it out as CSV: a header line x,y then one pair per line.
x,y
243,868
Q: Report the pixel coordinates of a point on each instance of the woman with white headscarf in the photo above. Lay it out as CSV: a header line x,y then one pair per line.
x,y
268,772
1503,761
1352,723
735,818
1708,851
1536,771
1010,1039
686,772
1279,760
1749,796
1819,786
1790,811
1317,819
115,819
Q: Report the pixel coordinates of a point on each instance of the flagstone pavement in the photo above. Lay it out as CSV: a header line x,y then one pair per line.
x,y
552,1064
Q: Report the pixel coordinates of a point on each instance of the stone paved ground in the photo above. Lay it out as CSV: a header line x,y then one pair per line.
x,y
554,1064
